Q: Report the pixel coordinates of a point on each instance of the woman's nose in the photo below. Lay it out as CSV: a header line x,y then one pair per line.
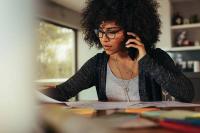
x,y
105,38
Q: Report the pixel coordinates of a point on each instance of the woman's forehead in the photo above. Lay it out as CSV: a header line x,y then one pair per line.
x,y
108,24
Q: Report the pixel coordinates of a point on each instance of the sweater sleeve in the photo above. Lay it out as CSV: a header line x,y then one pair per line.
x,y
83,79
163,70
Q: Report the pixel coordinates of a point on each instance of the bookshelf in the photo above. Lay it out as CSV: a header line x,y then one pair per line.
x,y
191,29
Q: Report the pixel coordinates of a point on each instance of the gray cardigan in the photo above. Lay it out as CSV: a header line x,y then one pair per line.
x,y
157,71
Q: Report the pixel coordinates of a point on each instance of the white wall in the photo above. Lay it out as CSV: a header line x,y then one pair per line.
x,y
84,53
165,37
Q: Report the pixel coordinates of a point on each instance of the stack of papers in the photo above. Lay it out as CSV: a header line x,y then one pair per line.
x,y
179,120
124,105
115,105
171,114
99,105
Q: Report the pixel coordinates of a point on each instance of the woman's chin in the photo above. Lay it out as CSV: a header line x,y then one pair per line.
x,y
110,52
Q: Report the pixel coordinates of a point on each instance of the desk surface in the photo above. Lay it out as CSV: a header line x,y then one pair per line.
x,y
53,115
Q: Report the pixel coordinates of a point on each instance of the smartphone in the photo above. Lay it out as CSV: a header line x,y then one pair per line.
x,y
132,52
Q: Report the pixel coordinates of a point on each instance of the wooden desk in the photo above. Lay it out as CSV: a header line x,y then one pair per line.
x,y
53,115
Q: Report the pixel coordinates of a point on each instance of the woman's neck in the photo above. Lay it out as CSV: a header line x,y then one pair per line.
x,y
122,65
120,56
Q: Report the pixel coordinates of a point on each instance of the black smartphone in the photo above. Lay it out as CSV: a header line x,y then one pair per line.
x,y
132,52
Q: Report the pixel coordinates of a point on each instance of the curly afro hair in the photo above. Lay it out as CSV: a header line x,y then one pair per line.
x,y
137,16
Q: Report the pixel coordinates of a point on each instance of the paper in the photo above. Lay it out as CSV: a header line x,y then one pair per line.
x,y
172,114
194,122
161,104
153,114
180,128
124,105
43,98
178,114
115,105
99,105
140,110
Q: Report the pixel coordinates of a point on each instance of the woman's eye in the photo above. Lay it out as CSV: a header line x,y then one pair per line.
x,y
111,32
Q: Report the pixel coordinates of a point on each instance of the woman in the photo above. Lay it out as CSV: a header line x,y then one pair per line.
x,y
121,74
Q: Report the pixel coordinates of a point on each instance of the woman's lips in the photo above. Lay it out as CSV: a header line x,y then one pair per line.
x,y
107,47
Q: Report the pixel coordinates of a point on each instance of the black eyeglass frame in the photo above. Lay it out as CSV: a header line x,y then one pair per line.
x,y
108,34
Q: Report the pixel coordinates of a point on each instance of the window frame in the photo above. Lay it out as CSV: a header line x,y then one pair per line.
x,y
53,82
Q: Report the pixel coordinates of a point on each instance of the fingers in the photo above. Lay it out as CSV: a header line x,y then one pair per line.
x,y
135,45
134,35
135,41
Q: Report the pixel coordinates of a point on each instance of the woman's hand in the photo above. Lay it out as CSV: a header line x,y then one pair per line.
x,y
136,43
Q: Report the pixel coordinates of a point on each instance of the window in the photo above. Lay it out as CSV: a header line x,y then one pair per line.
x,y
56,52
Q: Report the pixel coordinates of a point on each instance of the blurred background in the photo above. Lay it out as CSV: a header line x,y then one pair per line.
x,y
42,44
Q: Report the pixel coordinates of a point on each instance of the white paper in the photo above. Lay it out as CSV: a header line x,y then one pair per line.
x,y
161,104
123,105
43,98
115,105
99,105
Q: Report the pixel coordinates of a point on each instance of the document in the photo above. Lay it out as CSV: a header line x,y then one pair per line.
x,y
124,105
115,105
161,104
99,105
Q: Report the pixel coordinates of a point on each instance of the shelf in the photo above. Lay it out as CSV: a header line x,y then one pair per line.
x,y
186,48
185,26
174,1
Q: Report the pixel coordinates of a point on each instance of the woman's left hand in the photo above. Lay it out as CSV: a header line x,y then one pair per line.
x,y
136,43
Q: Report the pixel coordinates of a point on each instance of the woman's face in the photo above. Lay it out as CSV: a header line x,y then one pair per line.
x,y
111,37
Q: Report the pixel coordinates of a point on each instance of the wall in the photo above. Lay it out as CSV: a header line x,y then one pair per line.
x,y
53,12
84,53
165,37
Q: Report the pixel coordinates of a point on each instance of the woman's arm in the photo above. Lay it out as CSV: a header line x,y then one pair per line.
x,y
83,79
163,70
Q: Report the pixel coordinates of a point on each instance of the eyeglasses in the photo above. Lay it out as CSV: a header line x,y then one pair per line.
x,y
109,34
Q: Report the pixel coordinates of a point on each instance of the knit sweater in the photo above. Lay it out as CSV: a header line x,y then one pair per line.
x,y
157,71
